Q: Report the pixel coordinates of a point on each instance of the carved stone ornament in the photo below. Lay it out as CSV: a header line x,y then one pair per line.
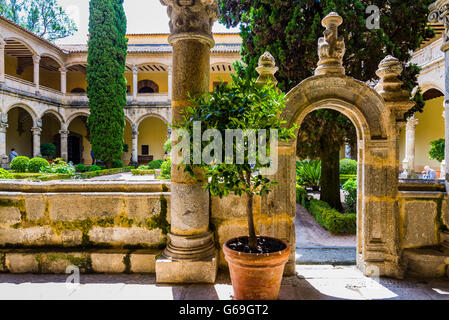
x,y
439,13
331,47
192,16
135,129
3,120
266,69
389,86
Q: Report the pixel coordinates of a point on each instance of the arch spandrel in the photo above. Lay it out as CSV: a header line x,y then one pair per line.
x,y
362,104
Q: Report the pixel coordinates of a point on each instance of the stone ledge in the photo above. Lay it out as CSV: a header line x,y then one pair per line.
x,y
55,261
426,263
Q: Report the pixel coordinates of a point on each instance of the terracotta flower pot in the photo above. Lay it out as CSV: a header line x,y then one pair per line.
x,y
256,276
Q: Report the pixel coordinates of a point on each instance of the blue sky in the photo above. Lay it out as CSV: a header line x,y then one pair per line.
x,y
144,16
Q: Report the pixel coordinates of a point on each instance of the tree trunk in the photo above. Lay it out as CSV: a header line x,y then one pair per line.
x,y
252,230
330,178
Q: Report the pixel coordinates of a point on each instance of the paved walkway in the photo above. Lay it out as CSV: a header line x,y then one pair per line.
x,y
310,234
311,283
127,176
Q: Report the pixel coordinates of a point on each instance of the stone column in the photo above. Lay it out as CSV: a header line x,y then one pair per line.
x,y
2,60
135,146
36,61
170,83
135,81
37,130
190,255
3,152
63,71
443,163
64,143
439,13
379,240
409,160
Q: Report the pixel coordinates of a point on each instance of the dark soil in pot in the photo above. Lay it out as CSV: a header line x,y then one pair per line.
x,y
264,245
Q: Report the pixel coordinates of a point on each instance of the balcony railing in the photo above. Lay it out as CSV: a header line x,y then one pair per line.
x,y
77,98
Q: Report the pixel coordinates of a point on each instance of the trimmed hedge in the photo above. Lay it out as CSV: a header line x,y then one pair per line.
x,y
346,177
337,223
155,164
4,174
20,164
98,173
37,164
348,166
42,176
140,172
302,197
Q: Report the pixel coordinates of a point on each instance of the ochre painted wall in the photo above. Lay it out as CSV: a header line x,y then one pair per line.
x,y
11,68
430,127
76,80
153,132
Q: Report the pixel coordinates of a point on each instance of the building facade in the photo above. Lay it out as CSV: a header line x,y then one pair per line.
x,y
43,93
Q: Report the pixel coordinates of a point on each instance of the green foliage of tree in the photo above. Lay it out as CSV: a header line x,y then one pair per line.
x,y
105,76
437,150
46,18
240,106
48,149
348,166
289,30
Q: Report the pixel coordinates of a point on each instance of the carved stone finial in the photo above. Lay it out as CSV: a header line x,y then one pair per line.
x,y
439,13
266,69
194,17
389,86
331,47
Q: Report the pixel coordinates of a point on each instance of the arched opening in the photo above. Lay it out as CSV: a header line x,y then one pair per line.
x,y
50,75
78,142
18,134
19,61
425,128
322,135
152,136
51,126
148,86
77,78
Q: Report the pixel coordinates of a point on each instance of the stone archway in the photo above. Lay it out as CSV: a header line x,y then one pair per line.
x,y
375,114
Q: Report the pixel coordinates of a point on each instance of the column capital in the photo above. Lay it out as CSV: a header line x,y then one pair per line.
x,y
2,43
36,131
169,69
412,122
135,130
439,12
36,58
63,69
192,19
135,69
64,133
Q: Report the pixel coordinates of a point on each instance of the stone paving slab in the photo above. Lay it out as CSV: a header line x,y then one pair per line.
x,y
312,282
326,255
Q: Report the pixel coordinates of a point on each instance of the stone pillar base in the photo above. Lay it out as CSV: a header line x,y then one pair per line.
x,y
290,269
186,271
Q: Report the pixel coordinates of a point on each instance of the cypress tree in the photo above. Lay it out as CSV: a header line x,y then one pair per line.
x,y
105,77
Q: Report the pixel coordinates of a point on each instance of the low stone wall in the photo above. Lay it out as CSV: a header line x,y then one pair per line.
x,y
84,214
229,220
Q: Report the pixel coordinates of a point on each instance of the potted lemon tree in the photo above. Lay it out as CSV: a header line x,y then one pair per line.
x,y
256,263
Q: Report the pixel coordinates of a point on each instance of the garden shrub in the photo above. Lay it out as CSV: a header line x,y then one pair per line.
x,y
337,223
346,177
155,164
80,167
437,150
350,190
348,166
20,164
4,174
48,149
139,172
302,197
37,164
308,173
117,164
94,168
165,170
60,166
